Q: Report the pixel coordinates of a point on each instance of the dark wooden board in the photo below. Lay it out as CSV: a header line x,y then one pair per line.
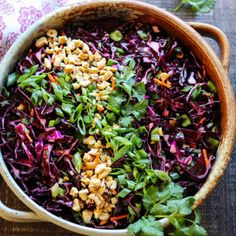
x,y
219,211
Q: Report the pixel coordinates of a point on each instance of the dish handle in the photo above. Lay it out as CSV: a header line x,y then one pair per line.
x,y
219,36
17,216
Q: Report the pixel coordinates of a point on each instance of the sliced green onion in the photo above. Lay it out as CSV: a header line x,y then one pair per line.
x,y
155,137
116,36
213,142
142,35
120,51
56,190
5,92
51,123
59,112
123,193
130,184
186,88
174,175
67,108
135,173
77,161
127,168
11,79
185,120
111,62
212,86
140,186
196,92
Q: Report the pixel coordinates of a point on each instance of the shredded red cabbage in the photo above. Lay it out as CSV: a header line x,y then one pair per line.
x,y
186,113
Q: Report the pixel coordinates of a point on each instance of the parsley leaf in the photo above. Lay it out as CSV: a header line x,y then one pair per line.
x,y
146,226
203,6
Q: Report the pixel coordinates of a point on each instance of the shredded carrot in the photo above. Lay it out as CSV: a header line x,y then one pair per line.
x,y
52,79
203,71
202,120
70,156
56,79
28,137
199,75
115,218
162,82
204,153
63,33
113,83
166,113
172,122
103,222
32,112
61,46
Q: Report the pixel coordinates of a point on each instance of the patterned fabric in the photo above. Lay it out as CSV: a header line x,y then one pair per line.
x,y
17,15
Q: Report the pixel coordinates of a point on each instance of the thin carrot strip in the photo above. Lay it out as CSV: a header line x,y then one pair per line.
x,y
50,77
113,83
103,222
32,112
53,79
202,120
204,153
56,79
162,82
28,137
203,71
115,218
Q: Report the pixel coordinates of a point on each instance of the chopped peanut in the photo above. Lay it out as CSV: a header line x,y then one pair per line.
x,y
74,192
41,42
76,205
83,194
69,68
62,39
51,33
47,64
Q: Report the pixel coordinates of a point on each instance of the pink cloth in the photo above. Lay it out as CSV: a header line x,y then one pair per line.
x,y
17,15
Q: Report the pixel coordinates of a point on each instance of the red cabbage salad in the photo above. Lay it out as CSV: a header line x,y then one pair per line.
x,y
111,125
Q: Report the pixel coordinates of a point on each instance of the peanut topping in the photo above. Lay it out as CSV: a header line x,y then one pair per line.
x,y
84,67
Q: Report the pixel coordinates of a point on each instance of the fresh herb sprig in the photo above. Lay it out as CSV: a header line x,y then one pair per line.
x,y
202,6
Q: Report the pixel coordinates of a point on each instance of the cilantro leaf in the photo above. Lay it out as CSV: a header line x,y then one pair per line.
x,y
181,206
146,226
203,6
183,230
125,121
115,100
150,197
138,110
194,230
139,91
160,209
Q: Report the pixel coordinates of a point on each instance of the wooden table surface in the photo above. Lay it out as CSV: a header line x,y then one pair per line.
x,y
219,211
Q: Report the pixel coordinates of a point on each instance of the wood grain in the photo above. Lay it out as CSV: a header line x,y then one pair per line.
x,y
219,211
